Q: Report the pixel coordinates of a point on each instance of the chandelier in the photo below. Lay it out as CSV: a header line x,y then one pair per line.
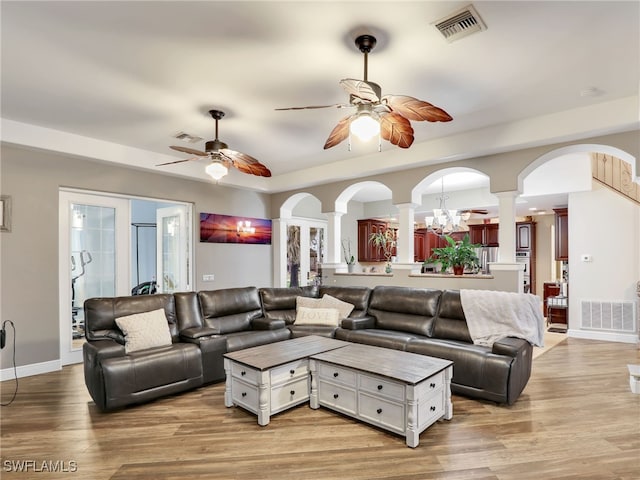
x,y
443,219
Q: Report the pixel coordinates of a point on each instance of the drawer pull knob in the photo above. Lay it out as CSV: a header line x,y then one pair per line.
x,y
244,394
433,409
432,385
379,387
335,395
335,374
243,373
292,372
379,410
292,392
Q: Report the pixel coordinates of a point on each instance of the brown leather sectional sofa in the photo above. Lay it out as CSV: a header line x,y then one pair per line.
x,y
205,325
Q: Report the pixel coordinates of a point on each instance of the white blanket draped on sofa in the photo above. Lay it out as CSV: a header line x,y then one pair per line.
x,y
492,315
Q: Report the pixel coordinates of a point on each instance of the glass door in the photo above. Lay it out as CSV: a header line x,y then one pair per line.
x,y
305,252
173,252
316,254
94,260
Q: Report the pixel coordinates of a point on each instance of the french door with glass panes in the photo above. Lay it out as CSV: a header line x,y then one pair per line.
x,y
93,261
305,250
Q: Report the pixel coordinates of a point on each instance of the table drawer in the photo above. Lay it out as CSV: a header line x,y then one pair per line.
x,y
244,395
337,374
430,385
247,374
382,387
284,373
337,397
431,409
382,412
289,394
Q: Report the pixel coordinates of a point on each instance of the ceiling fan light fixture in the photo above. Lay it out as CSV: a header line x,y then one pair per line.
x,y
216,170
364,126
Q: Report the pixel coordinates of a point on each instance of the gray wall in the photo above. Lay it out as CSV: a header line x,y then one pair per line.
x,y
29,253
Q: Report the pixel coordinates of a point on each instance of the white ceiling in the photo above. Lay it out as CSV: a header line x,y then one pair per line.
x,y
136,73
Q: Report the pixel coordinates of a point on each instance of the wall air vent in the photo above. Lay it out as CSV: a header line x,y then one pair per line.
x,y
459,24
185,137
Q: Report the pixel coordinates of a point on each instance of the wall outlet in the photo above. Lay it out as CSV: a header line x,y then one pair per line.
x,y
585,257
210,277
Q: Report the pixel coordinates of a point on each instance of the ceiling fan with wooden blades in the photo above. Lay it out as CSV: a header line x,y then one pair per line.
x,y
388,115
222,157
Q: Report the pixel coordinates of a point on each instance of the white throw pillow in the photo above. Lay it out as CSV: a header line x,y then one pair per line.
x,y
317,316
345,308
145,330
308,302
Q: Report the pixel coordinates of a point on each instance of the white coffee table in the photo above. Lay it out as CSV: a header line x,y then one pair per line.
x,y
398,391
271,378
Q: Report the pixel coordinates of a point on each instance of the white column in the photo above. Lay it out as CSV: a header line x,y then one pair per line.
x,y
404,248
279,248
507,231
334,230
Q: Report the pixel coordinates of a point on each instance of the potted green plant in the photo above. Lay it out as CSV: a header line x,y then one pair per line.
x,y
457,255
385,240
348,257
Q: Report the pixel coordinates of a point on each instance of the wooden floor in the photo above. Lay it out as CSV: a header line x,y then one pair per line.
x,y
577,419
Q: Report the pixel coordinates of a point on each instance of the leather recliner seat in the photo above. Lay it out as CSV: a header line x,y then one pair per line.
x,y
115,378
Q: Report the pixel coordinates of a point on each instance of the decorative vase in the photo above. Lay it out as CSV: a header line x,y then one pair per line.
x,y
351,267
458,269
388,269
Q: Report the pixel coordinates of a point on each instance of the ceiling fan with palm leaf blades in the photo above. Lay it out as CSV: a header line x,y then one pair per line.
x,y
221,156
388,115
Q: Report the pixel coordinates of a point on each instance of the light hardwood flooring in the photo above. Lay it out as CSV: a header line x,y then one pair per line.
x,y
577,419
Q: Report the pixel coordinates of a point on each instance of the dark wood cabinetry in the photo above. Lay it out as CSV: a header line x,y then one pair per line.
x,y
419,251
525,236
485,234
562,233
425,241
367,252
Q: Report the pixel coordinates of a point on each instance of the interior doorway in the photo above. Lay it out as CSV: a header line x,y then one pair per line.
x,y
110,245
305,252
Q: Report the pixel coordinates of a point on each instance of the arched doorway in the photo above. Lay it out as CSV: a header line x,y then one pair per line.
x,y
300,243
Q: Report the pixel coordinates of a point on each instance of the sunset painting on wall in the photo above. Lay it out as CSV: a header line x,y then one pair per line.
x,y
216,228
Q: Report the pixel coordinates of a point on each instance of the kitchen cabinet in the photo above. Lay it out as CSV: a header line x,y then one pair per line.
x,y
434,241
367,252
485,234
562,234
419,243
525,236
425,241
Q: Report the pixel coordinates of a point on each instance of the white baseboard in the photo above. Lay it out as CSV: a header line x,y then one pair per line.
x,y
605,336
29,370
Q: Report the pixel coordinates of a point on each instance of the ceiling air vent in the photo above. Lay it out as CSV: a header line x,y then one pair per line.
x,y
185,137
460,24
